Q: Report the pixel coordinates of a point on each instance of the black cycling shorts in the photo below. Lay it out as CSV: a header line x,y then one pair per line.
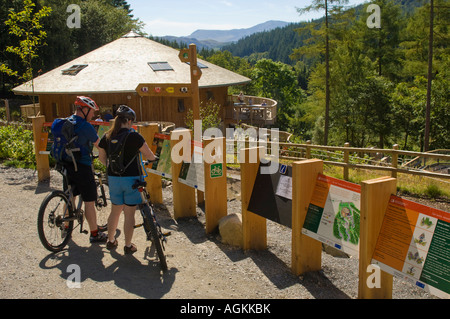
x,y
84,181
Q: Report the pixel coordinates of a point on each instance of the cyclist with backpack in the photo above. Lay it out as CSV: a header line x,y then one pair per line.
x,y
119,150
74,137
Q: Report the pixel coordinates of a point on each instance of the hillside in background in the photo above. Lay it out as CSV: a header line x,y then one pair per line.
x,y
215,39
273,39
235,34
279,43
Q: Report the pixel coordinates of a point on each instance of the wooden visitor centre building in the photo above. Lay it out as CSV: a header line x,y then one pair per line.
x,y
112,74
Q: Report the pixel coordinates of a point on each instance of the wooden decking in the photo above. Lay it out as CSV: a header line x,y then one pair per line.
x,y
252,110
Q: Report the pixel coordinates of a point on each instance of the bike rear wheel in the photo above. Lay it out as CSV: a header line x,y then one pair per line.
x,y
53,231
101,204
150,226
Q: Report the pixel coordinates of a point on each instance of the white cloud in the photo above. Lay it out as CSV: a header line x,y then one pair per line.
x,y
227,3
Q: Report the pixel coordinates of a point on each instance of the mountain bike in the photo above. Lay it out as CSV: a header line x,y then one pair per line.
x,y
151,226
60,210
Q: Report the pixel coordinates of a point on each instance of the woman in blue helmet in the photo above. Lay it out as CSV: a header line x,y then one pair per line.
x,y
123,197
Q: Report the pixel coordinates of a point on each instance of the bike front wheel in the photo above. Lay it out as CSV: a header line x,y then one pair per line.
x,y
53,229
150,226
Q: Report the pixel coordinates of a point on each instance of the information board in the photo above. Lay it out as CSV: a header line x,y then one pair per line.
x,y
46,140
414,245
192,174
272,195
333,214
163,166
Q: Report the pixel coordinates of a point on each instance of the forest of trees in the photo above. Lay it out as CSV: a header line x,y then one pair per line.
x,y
377,76
371,82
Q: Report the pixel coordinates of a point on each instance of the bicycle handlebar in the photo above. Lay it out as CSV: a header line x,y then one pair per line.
x,y
147,162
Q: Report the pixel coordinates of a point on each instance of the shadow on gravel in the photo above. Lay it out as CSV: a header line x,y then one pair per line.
x,y
42,187
321,287
281,276
127,272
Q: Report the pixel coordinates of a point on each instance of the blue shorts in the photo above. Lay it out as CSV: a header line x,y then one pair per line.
x,y
121,191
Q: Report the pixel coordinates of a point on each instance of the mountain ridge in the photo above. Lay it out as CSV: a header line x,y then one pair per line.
x,y
236,34
215,39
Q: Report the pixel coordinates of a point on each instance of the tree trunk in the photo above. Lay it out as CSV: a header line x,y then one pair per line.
x,y
327,78
430,74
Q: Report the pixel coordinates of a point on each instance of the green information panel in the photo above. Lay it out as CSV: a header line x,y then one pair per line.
x,y
163,166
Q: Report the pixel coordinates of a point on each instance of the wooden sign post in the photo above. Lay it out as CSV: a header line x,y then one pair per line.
x,y
190,56
254,227
375,195
154,181
42,161
196,74
184,204
306,251
215,183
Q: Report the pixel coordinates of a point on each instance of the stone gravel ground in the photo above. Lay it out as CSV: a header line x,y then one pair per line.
x,y
200,266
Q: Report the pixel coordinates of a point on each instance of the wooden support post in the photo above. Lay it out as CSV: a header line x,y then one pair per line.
x,y
375,196
8,112
154,181
394,163
254,227
183,195
306,251
346,161
215,182
42,162
308,149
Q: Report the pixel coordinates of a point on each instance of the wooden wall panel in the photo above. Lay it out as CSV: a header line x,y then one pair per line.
x,y
164,109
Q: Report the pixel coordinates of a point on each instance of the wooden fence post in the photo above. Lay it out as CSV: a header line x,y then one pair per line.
x,y
183,195
308,149
42,161
306,251
8,112
375,196
215,183
154,181
394,163
254,227
346,161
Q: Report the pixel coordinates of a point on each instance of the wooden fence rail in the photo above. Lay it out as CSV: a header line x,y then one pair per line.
x,y
295,152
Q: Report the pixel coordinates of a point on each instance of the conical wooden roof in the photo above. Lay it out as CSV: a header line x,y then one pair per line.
x,y
121,66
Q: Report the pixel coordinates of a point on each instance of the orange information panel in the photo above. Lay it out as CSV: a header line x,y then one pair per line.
x,y
333,214
414,245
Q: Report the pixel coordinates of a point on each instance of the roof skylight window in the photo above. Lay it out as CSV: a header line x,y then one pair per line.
x,y
160,66
200,65
74,69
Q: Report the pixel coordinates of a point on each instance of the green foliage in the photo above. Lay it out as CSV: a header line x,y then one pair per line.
x,y
16,146
433,191
209,114
26,26
377,83
102,21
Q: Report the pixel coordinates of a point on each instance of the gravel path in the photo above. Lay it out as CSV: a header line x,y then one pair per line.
x,y
200,266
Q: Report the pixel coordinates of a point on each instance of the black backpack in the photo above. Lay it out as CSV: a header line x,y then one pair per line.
x,y
116,154
64,148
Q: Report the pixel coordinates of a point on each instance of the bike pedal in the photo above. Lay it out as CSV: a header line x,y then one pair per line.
x,y
85,232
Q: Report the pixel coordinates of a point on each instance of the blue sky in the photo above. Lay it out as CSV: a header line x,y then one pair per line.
x,y
182,17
